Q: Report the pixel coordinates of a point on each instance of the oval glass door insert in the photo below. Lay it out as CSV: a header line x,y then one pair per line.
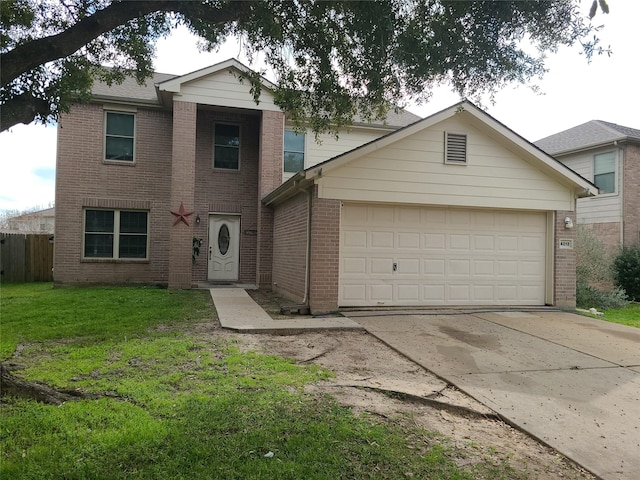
x,y
224,239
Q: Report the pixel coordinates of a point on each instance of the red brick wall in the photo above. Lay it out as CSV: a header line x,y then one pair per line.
x,y
269,177
220,191
631,192
84,180
564,272
290,247
325,248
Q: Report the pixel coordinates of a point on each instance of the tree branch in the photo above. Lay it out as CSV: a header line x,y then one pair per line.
x,y
22,109
28,56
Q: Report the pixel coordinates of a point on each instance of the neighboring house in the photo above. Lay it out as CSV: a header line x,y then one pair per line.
x,y
609,156
455,209
42,221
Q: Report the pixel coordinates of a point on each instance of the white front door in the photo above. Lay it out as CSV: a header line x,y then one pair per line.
x,y
224,247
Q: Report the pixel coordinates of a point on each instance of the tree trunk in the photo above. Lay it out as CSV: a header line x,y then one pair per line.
x,y
10,385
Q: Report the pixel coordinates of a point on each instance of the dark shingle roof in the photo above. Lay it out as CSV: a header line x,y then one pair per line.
x,y
129,89
593,133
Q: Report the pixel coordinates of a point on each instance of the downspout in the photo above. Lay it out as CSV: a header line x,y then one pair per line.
x,y
307,259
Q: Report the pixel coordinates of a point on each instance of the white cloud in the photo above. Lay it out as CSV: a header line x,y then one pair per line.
x,y
28,158
574,92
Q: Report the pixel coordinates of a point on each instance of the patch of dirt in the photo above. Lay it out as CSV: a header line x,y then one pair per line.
x,y
371,377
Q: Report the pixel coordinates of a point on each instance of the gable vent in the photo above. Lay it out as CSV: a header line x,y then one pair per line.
x,y
455,148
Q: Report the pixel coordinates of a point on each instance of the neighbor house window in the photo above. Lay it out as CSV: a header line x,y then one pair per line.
x,y
604,172
115,234
119,136
226,146
293,151
455,148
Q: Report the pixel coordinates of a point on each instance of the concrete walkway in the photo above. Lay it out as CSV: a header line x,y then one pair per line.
x,y
238,312
570,381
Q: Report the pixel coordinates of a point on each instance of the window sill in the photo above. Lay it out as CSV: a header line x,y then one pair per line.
x,y
129,163
115,260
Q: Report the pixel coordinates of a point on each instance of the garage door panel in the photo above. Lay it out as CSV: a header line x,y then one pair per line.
x,y
355,238
409,240
381,239
442,256
435,241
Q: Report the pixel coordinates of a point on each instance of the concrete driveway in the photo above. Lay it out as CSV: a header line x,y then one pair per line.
x,y
570,381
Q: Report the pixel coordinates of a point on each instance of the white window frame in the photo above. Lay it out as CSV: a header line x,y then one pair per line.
x,y
116,235
223,169
133,137
457,135
615,171
303,151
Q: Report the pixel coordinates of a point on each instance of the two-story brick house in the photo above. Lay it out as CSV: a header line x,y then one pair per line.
x,y
452,209
609,155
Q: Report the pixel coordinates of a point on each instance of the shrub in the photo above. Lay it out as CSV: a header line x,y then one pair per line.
x,y
593,263
626,267
589,297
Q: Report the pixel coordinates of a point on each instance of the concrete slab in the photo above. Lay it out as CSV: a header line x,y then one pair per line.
x,y
239,312
586,407
459,344
609,341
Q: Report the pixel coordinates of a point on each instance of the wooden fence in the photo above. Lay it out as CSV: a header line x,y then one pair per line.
x,y
26,257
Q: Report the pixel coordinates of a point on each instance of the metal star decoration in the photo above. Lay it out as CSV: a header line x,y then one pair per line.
x,y
181,215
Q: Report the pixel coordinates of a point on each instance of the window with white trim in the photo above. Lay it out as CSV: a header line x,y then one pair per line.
x,y
119,141
293,151
455,148
604,172
117,234
226,146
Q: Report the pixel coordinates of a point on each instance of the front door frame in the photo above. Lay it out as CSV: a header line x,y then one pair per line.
x,y
223,266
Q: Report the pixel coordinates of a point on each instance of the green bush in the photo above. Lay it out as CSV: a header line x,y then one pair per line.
x,y
593,263
589,297
626,268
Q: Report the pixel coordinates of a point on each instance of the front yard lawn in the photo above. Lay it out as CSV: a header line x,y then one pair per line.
x,y
630,315
179,399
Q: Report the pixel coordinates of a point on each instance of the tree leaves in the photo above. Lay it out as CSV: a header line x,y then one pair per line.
x,y
335,61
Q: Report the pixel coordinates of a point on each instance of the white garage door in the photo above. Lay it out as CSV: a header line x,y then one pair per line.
x,y
400,255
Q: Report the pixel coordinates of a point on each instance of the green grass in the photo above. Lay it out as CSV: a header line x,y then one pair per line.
x,y
630,315
183,403
37,312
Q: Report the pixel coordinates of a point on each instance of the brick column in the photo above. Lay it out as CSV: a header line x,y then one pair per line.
x,y
564,261
325,257
631,195
269,177
182,191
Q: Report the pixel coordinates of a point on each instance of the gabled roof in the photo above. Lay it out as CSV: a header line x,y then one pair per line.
x,y
588,135
479,118
174,84
159,89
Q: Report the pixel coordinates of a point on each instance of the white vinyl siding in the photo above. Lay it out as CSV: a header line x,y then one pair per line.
x,y
408,255
605,208
224,89
329,147
412,171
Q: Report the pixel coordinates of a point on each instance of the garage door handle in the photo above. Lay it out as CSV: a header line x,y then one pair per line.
x,y
395,267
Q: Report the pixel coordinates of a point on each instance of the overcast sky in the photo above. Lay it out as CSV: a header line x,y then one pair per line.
x,y
571,93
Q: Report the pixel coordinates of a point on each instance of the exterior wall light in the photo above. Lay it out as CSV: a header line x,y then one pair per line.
x,y
568,222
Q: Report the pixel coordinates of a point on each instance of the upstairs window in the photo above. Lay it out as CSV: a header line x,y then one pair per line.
x,y
293,151
117,234
604,172
119,136
455,149
226,147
